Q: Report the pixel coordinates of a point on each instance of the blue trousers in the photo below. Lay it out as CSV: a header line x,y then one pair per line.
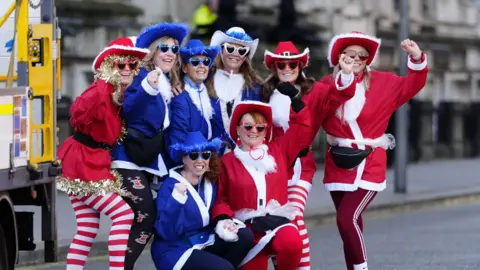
x,y
221,255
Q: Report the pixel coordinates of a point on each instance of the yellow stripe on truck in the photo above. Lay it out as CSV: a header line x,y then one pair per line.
x,y
6,109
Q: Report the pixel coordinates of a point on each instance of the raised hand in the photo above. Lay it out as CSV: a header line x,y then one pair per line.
x,y
181,188
287,89
411,47
152,77
346,64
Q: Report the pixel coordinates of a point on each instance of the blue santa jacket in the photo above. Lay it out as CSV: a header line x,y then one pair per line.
x,y
191,111
145,109
183,221
220,122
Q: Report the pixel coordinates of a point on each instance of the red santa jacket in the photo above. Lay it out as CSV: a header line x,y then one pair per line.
x,y
246,183
365,120
322,101
95,115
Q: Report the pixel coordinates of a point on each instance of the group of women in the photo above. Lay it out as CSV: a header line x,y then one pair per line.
x,y
232,151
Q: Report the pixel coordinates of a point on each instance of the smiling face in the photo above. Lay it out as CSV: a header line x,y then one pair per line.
x,y
252,129
287,70
197,68
166,53
233,56
197,162
360,56
126,66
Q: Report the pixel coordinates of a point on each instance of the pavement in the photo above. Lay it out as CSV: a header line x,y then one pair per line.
x,y
431,183
439,238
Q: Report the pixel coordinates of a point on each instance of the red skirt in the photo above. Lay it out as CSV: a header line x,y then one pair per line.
x,y
87,171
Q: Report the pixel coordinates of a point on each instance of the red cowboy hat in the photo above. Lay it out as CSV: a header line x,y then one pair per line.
x,y
286,50
120,46
340,42
251,106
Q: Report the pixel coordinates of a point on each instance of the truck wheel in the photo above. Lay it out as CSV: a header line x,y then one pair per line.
x,y
3,251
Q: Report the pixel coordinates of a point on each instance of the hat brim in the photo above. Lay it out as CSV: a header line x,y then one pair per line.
x,y
118,50
340,42
177,151
154,32
270,58
210,51
220,37
251,106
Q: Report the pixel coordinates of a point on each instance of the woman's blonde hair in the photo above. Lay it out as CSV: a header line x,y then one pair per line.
x,y
250,75
110,74
149,64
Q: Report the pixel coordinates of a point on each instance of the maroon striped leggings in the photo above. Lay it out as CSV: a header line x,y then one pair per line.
x,y
350,206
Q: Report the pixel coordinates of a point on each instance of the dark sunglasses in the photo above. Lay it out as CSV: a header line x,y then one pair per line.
x,y
242,51
122,65
194,61
281,65
206,155
164,48
363,56
249,126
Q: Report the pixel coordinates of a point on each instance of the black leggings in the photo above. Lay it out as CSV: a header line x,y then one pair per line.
x,y
142,203
221,255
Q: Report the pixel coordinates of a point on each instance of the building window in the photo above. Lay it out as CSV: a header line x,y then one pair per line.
x,y
88,77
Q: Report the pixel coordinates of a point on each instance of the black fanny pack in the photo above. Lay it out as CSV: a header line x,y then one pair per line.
x,y
141,149
90,142
268,222
348,158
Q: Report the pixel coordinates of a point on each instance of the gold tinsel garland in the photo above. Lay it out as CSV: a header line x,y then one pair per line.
x,y
100,187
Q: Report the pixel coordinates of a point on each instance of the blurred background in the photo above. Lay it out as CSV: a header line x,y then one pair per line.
x,y
444,117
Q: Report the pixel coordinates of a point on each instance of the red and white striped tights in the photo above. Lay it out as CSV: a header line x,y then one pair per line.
x,y
298,194
87,212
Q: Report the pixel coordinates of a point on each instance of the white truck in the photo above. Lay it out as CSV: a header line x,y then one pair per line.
x,y
29,80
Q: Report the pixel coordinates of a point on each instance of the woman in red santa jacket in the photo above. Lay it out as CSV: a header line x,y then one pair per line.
x,y
86,176
254,179
287,64
355,165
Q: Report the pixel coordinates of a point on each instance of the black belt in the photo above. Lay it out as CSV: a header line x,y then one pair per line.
x,y
140,135
90,142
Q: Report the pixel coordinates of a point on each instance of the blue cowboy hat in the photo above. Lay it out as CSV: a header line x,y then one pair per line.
x,y
195,142
151,33
235,35
196,47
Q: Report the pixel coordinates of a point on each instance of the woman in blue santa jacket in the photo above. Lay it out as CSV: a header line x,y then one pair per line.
x,y
185,239
192,110
140,158
234,78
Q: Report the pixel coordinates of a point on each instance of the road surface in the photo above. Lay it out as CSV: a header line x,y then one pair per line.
x,y
439,239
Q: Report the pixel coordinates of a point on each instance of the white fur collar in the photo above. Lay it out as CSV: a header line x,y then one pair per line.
x,y
265,165
353,107
200,99
280,104
228,86
165,88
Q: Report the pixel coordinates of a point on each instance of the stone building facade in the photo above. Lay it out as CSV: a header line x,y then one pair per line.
x,y
448,31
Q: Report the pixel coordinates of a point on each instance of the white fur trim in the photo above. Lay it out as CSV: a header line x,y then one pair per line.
x,y
179,197
148,88
201,100
353,107
351,35
119,47
227,85
165,88
273,207
219,37
253,102
225,234
265,165
347,80
289,57
280,104
417,66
